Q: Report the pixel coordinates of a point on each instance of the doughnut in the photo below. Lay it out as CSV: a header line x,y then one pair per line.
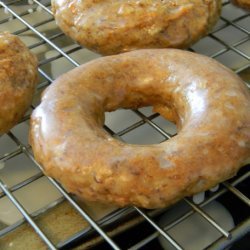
x,y
245,4
18,77
112,27
209,104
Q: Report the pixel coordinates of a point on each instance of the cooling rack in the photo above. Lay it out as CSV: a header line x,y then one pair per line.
x,y
229,43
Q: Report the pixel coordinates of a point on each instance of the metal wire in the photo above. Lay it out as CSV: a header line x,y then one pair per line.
x,y
65,194
27,216
237,193
186,215
208,218
159,229
23,149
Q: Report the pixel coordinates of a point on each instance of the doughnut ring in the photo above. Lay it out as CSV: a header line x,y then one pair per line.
x,y
111,27
18,78
208,102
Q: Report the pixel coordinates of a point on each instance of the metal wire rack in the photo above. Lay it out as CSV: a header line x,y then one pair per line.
x,y
33,18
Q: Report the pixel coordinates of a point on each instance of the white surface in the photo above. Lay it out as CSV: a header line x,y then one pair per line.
x,y
199,198
195,233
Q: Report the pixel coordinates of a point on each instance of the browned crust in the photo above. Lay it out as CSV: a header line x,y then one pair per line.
x,y
245,4
18,77
111,27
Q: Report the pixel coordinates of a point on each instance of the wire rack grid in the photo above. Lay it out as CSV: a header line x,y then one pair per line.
x,y
33,18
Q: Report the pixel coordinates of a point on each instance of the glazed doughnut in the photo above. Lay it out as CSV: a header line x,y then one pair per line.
x,y
18,77
208,102
111,27
245,4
